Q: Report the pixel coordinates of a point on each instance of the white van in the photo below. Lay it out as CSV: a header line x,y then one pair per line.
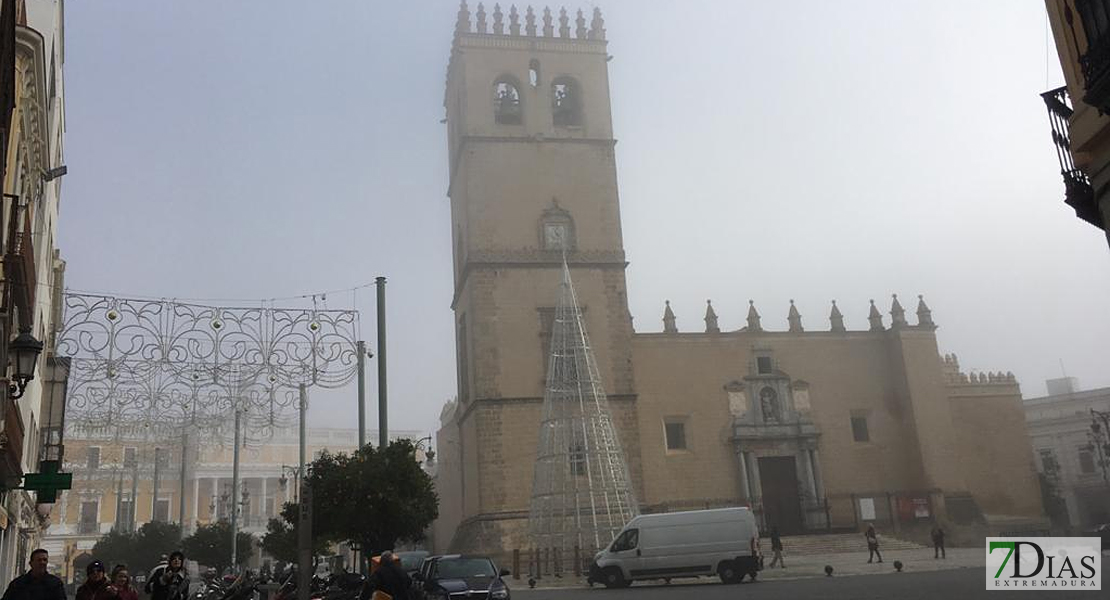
x,y
722,542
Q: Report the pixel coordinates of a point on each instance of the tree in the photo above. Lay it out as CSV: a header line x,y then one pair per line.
x,y
210,545
138,550
373,497
282,536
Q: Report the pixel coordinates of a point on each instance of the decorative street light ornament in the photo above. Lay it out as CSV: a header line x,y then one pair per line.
x,y
25,351
173,364
581,491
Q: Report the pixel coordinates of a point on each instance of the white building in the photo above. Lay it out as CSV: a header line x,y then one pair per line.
x,y
1063,448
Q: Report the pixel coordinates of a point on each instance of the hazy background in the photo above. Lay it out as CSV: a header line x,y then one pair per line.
x,y
805,150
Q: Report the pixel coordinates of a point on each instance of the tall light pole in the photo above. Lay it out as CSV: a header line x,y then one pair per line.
x,y
283,480
1100,439
235,496
383,402
361,350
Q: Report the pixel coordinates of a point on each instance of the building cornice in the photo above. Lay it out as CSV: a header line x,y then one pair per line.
x,y
533,258
31,100
470,406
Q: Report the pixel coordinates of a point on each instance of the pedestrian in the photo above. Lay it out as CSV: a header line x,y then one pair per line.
x,y
776,548
36,584
170,582
938,543
120,586
872,544
162,562
96,584
390,579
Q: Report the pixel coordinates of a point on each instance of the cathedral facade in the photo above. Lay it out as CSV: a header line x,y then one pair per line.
x,y
817,428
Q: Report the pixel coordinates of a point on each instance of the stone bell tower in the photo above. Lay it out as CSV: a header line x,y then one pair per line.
x,y
532,176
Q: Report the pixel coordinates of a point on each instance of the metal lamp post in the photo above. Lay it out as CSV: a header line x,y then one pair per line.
x,y
283,480
25,351
429,454
1099,436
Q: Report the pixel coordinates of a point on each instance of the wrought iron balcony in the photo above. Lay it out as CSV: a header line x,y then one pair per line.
x,y
19,263
1094,16
1078,192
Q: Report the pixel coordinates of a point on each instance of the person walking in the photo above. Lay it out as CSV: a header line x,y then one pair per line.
x,y
162,562
776,548
390,579
872,544
170,582
36,584
938,543
119,586
96,584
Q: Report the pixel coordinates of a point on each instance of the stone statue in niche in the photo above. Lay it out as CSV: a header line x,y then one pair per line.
x,y
768,400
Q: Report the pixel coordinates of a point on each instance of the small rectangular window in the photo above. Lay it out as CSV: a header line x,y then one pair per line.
x,y
763,364
92,457
676,436
1048,461
1086,461
125,516
162,511
859,429
129,457
89,515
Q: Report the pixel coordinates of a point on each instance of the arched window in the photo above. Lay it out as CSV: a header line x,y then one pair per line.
x,y
506,103
566,102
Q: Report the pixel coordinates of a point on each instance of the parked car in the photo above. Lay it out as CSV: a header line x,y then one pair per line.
x,y
1101,531
421,575
722,542
411,560
464,576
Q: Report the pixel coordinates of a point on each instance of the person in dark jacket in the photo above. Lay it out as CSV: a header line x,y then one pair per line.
x,y
389,578
36,584
776,548
96,584
872,544
170,582
938,543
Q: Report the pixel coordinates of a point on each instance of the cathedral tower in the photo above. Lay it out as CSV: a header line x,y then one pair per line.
x,y
532,176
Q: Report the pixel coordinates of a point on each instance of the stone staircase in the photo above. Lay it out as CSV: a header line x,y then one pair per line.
x,y
803,545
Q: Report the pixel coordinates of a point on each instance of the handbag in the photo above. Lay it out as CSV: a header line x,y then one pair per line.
x,y
380,595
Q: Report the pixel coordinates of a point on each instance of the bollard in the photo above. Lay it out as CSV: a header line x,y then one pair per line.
x,y
516,563
577,561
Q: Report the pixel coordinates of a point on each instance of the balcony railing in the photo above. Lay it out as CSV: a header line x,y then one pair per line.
x,y
88,527
19,263
1095,62
1078,192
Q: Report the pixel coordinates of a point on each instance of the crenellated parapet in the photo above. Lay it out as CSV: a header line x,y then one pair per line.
x,y
478,23
794,319
950,366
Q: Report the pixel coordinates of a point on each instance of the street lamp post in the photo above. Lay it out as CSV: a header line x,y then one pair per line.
x,y
283,480
1100,439
429,454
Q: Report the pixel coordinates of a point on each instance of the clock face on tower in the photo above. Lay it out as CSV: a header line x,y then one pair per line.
x,y
554,236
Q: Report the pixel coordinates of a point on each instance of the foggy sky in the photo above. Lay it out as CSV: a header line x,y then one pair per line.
x,y
767,151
